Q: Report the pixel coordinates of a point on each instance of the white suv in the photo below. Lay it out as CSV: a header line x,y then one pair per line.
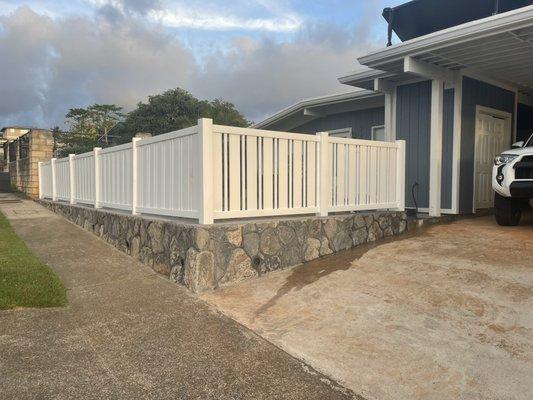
x,y
512,180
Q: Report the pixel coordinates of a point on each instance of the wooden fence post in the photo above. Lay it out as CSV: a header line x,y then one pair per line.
x,y
53,169
324,182
72,178
40,177
134,175
97,178
205,171
400,175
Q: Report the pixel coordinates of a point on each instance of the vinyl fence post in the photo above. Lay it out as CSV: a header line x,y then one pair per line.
x,y
97,177
324,181
134,175
400,175
72,178
205,171
40,177
53,168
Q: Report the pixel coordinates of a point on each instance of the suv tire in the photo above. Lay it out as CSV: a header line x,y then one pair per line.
x,y
507,210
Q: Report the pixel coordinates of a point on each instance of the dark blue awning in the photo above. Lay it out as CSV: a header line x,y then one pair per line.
x,y
421,17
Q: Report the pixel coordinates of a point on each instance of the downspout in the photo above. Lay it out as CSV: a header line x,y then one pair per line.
x,y
390,12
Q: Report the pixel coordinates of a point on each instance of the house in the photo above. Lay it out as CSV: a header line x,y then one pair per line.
x,y
457,88
8,134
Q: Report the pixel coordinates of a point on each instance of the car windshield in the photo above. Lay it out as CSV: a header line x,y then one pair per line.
x,y
529,142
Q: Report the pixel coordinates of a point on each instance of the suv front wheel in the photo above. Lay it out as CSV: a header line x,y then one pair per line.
x,y
507,210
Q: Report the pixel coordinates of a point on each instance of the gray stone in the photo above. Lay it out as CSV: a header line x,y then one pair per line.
x,y
291,256
135,247
199,270
146,256
359,236
359,222
155,231
324,246
342,241
330,229
234,236
286,234
239,267
201,238
269,243
176,273
312,250
374,232
162,264
250,243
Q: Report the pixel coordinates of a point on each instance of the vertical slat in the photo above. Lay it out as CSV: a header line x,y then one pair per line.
x,y
251,172
311,174
283,172
341,171
297,175
218,170
268,179
352,171
234,173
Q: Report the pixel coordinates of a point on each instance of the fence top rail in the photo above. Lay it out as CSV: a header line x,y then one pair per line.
x,y
192,130
62,160
233,130
113,149
84,155
363,142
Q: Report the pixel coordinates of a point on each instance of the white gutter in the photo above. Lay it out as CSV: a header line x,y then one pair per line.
x,y
316,101
512,20
364,76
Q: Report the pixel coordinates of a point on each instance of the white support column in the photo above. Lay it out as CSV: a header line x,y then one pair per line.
x,y
72,180
40,171
457,133
400,175
53,168
135,175
97,177
435,170
389,90
324,181
205,171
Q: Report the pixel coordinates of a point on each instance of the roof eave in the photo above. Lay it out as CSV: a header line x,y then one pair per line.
x,y
471,30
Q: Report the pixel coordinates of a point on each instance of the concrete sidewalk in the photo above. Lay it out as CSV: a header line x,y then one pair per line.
x,y
129,333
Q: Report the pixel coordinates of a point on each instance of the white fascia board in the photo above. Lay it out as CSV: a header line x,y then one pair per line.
x,y
478,29
316,101
364,76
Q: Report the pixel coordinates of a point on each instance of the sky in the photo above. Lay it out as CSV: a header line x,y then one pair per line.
x,y
261,55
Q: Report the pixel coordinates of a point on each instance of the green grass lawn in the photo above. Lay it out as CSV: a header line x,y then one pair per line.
x,y
25,281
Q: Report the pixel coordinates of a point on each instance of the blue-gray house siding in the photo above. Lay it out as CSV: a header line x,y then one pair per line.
x,y
483,94
361,122
413,123
447,149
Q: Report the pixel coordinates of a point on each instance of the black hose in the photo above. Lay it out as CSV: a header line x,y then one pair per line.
x,y
415,185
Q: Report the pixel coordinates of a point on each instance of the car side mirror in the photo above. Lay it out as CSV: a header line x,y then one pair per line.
x,y
518,145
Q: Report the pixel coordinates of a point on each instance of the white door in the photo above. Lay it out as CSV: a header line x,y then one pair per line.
x,y
492,137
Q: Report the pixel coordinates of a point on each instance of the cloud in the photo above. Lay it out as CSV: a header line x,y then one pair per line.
x,y
52,64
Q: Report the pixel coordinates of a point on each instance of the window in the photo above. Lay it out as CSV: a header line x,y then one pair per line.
x,y
342,133
378,133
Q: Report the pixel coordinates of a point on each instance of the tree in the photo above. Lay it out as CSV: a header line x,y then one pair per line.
x,y
88,128
176,109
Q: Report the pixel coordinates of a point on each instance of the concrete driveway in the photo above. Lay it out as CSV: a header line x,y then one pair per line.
x,y
446,314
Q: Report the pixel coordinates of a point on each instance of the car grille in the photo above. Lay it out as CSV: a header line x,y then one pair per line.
x,y
524,168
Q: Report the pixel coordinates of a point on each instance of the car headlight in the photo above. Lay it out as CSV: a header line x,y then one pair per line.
x,y
504,159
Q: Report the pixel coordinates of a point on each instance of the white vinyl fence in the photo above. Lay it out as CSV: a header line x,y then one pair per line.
x,y
209,172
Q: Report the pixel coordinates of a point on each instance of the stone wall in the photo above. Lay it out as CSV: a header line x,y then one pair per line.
x,y
208,256
24,172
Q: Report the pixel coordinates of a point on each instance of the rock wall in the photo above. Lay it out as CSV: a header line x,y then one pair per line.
x,y
208,256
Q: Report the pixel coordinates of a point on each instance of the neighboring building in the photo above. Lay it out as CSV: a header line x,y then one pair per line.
x,y
8,134
25,153
458,89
